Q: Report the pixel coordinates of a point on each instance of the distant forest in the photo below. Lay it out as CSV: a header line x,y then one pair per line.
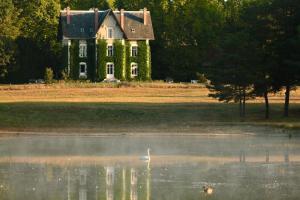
x,y
245,48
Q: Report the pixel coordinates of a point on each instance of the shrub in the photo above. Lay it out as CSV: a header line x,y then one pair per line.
x,y
64,75
48,75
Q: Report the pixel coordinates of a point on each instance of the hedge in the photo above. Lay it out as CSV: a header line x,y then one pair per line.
x,y
74,61
119,52
101,71
142,58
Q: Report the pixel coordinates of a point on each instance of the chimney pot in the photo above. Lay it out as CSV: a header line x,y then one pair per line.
x,y
96,19
145,16
68,15
122,18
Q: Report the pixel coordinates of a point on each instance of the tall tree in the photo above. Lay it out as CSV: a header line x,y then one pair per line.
x,y
255,18
38,39
285,18
9,30
231,74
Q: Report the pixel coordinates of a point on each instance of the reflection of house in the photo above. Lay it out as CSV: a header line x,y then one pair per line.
x,y
110,175
133,177
97,183
83,184
133,188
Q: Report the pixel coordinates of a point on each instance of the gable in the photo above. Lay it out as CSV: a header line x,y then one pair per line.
x,y
110,22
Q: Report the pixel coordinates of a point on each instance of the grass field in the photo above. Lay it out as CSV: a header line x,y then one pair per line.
x,y
147,107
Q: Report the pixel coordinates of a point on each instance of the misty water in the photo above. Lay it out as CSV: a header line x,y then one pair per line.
x,y
109,168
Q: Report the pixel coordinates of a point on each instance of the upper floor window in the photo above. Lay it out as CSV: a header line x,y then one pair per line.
x,y
110,50
82,49
110,32
134,51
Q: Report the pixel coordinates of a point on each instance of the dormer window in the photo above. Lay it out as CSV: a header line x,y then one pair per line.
x,y
110,33
82,49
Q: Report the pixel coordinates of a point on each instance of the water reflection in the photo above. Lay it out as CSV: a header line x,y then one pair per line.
x,y
258,170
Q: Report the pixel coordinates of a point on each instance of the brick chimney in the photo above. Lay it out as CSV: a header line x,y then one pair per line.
x,y
145,16
122,18
96,19
68,15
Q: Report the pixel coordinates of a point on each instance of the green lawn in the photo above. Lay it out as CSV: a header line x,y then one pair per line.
x,y
137,117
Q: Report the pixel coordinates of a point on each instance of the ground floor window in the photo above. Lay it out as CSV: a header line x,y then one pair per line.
x,y
134,70
110,70
82,70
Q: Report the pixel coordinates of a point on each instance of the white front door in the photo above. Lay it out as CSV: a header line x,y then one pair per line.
x,y
110,71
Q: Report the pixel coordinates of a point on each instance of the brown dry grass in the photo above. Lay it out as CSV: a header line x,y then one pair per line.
x,y
118,93
130,107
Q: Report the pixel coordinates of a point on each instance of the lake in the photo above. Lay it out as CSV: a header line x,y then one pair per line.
x,y
238,166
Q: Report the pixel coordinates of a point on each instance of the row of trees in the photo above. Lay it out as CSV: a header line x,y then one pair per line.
x,y
246,48
258,52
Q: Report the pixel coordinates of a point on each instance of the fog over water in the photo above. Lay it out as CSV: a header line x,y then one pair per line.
x,y
109,168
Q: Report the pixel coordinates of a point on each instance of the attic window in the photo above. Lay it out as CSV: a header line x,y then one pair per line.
x,y
82,30
110,32
132,30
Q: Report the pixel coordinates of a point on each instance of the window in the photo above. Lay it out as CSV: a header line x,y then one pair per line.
x,y
82,70
134,70
110,50
110,69
82,194
109,32
82,49
82,30
134,51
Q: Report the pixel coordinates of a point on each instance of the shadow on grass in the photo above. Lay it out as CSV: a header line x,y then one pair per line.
x,y
138,116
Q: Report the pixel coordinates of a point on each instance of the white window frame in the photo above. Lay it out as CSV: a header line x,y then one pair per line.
x,y
108,50
108,33
134,66
83,74
131,51
112,72
82,49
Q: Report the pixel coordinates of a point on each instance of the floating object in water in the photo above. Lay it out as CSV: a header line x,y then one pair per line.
x,y
146,158
208,189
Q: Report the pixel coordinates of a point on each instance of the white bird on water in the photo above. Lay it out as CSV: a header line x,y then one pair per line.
x,y
146,158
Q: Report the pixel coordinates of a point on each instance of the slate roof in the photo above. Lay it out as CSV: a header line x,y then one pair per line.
x,y
82,24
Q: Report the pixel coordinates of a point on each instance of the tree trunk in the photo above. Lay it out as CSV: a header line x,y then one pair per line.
x,y
287,100
244,102
240,103
266,104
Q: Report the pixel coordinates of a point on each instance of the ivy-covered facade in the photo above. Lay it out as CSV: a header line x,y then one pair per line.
x,y
106,45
